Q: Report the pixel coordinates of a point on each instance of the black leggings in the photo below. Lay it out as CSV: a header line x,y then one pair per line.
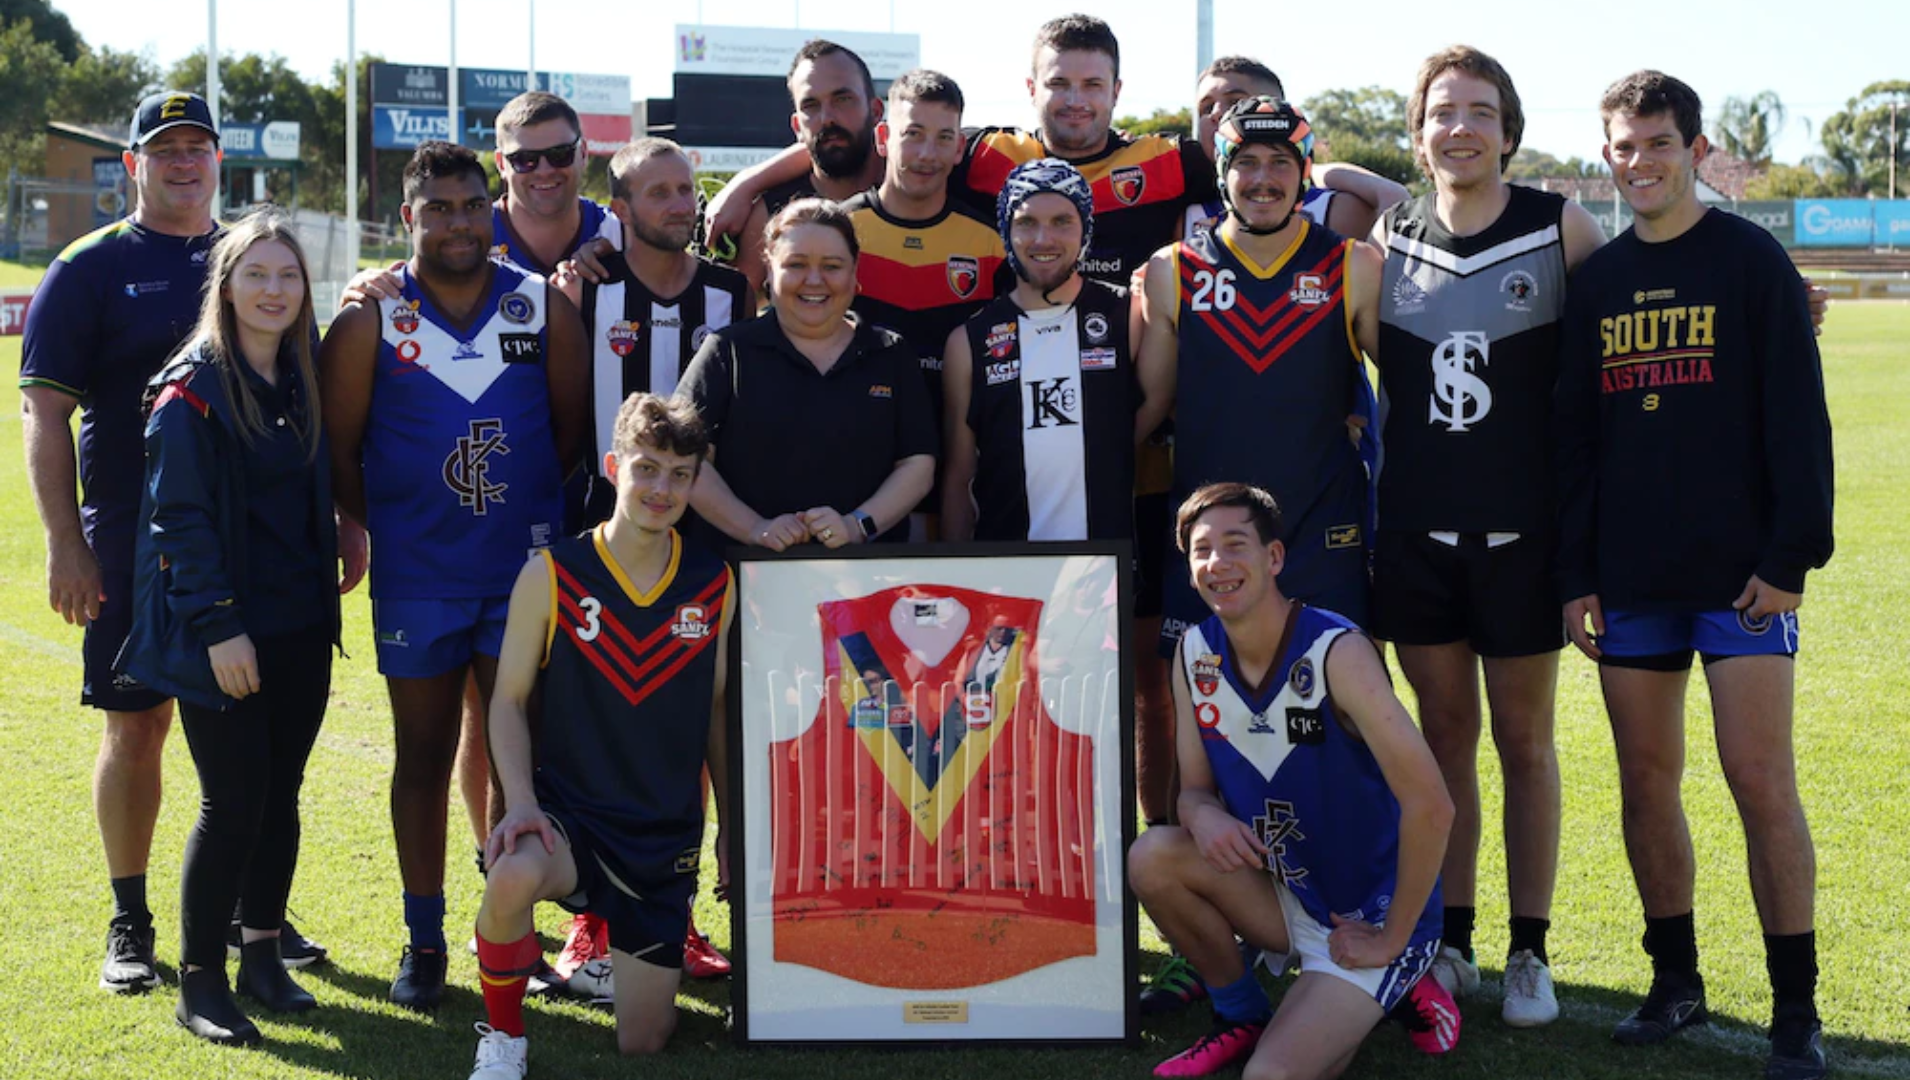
x,y
251,761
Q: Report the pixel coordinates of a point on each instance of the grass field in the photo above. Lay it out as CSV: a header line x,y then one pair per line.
x,y
1854,715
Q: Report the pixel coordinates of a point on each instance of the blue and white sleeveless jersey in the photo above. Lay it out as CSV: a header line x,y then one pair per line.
x,y
1285,765
461,472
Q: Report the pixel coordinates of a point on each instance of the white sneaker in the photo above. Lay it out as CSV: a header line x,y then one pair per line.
x,y
1457,974
1529,999
594,982
500,1057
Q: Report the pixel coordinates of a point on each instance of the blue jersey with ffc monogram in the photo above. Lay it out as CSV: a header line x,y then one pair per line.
x,y
1285,765
461,474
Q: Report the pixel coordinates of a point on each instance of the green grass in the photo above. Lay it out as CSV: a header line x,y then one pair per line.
x,y
1854,759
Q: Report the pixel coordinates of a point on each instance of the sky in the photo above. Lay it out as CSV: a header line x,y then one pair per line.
x,y
1816,59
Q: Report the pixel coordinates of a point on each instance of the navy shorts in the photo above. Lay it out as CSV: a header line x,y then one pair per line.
x,y
1664,641
419,639
648,911
101,686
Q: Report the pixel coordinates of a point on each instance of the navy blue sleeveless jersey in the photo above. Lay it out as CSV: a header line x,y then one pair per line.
x,y
1285,765
1269,372
1051,402
628,682
461,473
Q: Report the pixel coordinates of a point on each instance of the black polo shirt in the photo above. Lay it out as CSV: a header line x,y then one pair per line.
x,y
789,438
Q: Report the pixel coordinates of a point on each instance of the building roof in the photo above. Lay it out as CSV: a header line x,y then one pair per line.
x,y
1727,174
100,135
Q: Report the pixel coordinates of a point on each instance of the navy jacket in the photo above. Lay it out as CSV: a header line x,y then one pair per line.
x,y
191,551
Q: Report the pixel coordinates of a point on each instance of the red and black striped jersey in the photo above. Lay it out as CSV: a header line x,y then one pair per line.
x,y
1142,188
931,803
629,676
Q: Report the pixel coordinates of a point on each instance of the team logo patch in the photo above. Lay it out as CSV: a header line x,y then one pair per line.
x,y
1207,674
1519,288
1128,182
1342,536
1306,727
1307,292
912,243
521,348
698,335
622,337
692,622
1757,626
1409,297
1000,340
1302,677
688,862
404,317
467,351
515,307
1005,372
1207,714
964,274
1097,360
881,390
1096,327
1259,725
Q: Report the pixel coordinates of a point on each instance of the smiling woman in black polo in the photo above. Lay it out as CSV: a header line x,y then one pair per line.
x,y
821,424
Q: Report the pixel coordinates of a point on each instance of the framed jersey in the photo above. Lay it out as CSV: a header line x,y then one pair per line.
x,y
931,769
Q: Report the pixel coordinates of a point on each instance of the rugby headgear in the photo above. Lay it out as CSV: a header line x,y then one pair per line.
x,y
1032,178
1268,121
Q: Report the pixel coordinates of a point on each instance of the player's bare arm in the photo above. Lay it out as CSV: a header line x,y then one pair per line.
x,y
1581,232
1364,265
1157,363
751,259
904,489
347,360
1369,196
72,573
716,756
527,631
958,440
567,370
730,208
1364,699
1225,841
372,284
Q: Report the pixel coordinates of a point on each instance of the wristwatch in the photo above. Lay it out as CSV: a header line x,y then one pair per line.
x,y
862,518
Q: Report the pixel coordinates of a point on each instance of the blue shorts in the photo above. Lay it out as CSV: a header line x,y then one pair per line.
x,y
1664,641
419,639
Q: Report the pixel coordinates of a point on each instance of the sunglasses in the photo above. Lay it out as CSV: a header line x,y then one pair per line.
x,y
560,157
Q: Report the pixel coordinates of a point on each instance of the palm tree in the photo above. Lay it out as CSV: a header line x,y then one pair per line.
x,y
1747,128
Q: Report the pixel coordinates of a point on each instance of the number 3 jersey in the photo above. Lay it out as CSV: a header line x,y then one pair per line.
x,y
461,471
628,680
932,827
1285,765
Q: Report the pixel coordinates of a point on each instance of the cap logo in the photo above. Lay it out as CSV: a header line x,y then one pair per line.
x,y
174,108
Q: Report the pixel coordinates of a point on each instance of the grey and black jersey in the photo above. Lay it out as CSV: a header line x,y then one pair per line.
x,y
1469,339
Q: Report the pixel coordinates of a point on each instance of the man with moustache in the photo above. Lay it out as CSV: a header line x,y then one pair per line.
x,y
836,111
928,262
452,411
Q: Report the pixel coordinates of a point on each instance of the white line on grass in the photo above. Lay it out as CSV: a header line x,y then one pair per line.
x,y
1729,1038
57,650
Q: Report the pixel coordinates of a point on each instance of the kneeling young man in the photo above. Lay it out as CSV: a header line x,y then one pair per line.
x,y
624,627
1313,817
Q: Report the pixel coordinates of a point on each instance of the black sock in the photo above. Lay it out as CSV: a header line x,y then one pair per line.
x,y
129,902
1458,931
1529,933
1791,960
1672,943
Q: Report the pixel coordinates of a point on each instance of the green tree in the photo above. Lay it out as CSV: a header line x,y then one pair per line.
x,y
1747,127
1858,143
1385,158
28,65
49,25
1530,164
1373,115
1792,182
103,86
1179,122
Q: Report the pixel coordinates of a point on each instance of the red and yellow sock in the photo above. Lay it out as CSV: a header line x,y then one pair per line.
x,y
504,969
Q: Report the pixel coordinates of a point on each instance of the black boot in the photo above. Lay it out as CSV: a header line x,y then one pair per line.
x,y
262,978
207,1010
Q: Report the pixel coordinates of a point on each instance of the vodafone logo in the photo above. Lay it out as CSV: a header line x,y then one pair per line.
x,y
1207,714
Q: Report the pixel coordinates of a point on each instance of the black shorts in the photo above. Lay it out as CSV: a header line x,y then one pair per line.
x,y
647,911
1153,542
101,686
1502,601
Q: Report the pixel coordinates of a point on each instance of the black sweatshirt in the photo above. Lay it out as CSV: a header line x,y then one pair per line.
x,y
1694,443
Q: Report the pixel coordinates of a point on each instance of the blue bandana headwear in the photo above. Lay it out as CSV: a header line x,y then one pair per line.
x,y
1031,178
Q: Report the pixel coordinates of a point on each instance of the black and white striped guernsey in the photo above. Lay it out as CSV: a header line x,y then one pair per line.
x,y
640,342
1469,340
1052,404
